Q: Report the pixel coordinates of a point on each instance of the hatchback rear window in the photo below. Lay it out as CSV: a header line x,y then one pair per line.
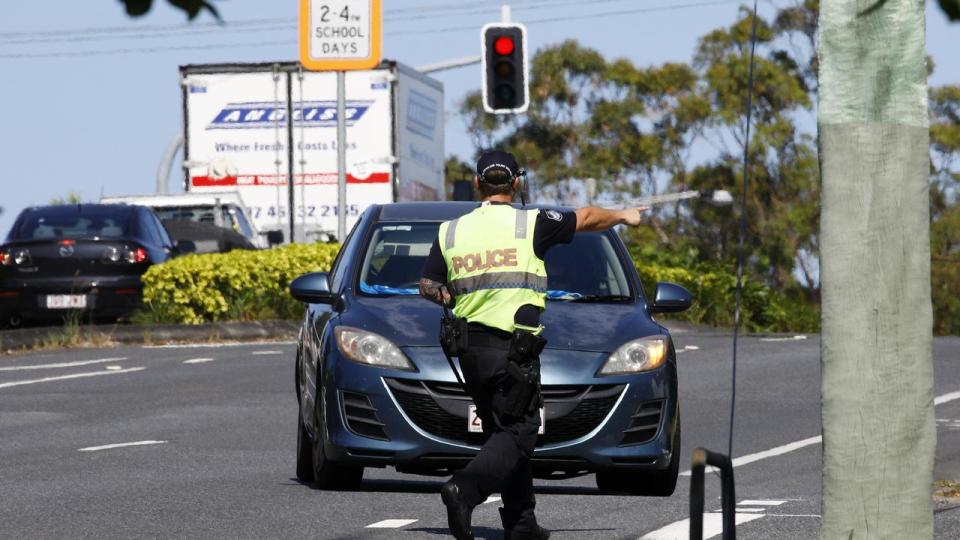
x,y
586,269
77,221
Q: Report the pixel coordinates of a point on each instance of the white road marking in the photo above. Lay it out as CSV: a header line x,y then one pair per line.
x,y
761,502
391,524
946,398
712,526
63,364
793,338
773,452
198,360
794,515
691,348
491,499
740,509
71,376
224,344
265,353
118,445
113,368
797,445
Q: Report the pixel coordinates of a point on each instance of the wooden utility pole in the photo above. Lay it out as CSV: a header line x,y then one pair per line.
x,y
879,435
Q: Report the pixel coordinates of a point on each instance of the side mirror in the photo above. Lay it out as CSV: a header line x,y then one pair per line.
x,y
186,246
274,238
669,298
312,288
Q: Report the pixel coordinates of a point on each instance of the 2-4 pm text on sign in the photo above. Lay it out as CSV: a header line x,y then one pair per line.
x,y
340,34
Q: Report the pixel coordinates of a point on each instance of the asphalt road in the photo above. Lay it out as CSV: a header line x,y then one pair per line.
x,y
217,427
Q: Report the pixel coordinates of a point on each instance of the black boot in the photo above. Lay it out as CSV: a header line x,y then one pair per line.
x,y
522,526
458,511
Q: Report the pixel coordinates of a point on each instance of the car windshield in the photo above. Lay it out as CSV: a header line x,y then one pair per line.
x,y
199,214
587,269
74,221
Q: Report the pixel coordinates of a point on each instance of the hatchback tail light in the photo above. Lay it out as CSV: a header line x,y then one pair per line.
x,y
15,257
137,255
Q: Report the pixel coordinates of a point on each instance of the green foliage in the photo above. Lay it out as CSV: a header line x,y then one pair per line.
x,y
713,286
138,8
71,198
239,285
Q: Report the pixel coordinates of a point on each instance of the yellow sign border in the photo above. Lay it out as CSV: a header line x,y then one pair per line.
x,y
376,40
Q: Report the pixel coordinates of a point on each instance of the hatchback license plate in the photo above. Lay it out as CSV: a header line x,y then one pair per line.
x,y
66,301
475,425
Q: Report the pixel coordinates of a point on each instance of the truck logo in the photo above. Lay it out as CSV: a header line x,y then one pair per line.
x,y
251,115
421,114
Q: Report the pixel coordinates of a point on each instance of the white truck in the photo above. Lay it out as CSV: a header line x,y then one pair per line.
x,y
252,128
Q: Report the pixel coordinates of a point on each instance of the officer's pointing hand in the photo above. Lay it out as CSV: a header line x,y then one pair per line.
x,y
631,216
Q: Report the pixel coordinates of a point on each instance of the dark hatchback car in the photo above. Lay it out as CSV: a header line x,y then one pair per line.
x,y
79,258
375,390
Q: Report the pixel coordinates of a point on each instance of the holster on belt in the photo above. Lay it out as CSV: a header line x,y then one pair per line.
x,y
522,390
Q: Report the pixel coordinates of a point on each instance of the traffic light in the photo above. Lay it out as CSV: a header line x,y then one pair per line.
x,y
504,68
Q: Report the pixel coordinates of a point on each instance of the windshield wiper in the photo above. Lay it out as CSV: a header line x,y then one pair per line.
x,y
601,298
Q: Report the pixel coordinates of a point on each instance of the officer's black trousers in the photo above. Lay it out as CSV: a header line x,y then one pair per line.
x,y
503,462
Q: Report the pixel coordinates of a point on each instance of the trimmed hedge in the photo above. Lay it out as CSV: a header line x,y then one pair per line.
x,y
251,285
239,285
763,309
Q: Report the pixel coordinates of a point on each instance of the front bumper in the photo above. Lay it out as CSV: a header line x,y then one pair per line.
x,y
418,421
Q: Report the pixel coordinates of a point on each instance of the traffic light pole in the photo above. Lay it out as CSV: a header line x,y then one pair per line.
x,y
341,156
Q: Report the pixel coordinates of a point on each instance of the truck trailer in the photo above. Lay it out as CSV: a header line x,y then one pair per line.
x,y
269,131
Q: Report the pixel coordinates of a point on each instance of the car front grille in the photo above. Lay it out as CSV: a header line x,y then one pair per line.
x,y
440,409
644,423
361,416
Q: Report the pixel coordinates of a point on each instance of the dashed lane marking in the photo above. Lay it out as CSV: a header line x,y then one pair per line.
x,y
198,360
792,338
391,524
118,445
113,368
71,376
225,344
63,364
265,353
712,526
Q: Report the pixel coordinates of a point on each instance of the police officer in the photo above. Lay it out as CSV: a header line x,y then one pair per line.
x,y
489,266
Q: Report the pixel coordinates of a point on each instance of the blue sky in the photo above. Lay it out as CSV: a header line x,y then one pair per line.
x,y
92,112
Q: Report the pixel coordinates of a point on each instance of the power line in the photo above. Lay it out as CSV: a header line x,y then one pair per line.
x,y
281,23
293,40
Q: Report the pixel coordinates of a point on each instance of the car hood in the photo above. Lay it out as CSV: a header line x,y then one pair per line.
x,y
414,322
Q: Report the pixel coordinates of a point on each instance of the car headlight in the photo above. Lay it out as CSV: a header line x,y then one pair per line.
x,y
644,354
371,349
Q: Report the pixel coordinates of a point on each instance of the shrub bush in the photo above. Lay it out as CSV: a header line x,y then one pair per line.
x,y
239,285
763,309
252,285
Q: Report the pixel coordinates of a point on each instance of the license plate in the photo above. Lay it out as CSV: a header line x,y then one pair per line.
x,y
66,301
475,425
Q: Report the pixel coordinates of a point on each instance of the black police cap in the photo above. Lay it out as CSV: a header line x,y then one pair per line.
x,y
497,167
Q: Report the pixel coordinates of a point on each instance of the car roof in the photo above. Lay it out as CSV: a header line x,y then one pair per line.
x,y
441,210
185,199
66,209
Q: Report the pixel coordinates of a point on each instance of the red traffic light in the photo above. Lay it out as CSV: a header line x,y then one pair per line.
x,y
503,45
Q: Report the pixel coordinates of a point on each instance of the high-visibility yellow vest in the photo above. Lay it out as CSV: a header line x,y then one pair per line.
x,y
492,268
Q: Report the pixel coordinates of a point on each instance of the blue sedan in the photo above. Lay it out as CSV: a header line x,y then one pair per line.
x,y
375,390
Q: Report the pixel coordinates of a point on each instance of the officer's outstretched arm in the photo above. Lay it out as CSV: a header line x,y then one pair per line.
x,y
435,292
593,219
